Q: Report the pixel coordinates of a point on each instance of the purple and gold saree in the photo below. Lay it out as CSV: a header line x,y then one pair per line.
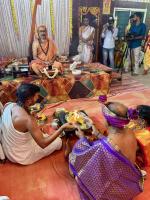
x,y
103,173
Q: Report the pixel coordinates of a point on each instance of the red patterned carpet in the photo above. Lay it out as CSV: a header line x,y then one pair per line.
x,y
49,178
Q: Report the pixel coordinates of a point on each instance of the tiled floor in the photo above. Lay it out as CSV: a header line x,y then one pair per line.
x,y
145,79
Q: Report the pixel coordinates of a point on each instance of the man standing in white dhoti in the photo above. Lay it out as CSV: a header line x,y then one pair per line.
x,y
86,40
22,140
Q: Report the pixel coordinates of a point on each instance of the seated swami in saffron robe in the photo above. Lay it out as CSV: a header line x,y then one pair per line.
x,y
44,52
105,169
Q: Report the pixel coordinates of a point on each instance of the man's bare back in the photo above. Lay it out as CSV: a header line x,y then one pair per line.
x,y
126,142
20,118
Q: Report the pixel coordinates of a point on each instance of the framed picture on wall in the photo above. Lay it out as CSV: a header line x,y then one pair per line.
x,y
106,7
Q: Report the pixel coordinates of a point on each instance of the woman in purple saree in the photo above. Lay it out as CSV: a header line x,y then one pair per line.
x,y
105,169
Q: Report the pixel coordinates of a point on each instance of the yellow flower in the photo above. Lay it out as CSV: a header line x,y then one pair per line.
x,y
70,18
14,16
52,17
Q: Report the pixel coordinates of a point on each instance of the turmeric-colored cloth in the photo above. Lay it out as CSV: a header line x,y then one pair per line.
x,y
143,138
147,53
147,57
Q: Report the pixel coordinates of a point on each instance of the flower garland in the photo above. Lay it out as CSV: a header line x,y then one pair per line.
x,y
52,18
14,16
31,6
56,71
70,18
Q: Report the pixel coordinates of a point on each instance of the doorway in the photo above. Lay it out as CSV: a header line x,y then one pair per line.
x,y
122,15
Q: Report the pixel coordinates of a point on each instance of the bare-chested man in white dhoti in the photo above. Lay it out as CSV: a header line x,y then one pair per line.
x,y
86,40
22,140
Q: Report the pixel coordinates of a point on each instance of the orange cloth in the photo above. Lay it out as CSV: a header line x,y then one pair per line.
x,y
45,53
143,137
40,65
48,47
147,53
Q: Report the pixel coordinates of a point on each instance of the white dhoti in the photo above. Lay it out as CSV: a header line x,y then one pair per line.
x,y
85,53
21,147
85,49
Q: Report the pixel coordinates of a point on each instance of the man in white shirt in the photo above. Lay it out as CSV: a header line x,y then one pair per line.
x,y
109,33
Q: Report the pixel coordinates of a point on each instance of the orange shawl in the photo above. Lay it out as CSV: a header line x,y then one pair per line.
x,y
46,51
